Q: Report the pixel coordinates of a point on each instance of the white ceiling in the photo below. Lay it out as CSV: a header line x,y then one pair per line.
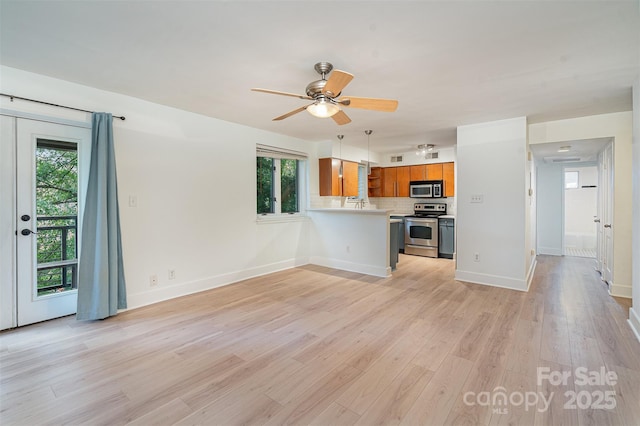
x,y
448,63
583,150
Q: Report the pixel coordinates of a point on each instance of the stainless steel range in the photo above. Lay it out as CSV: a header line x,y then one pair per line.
x,y
421,229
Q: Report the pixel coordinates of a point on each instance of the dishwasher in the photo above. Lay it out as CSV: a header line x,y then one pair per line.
x,y
446,245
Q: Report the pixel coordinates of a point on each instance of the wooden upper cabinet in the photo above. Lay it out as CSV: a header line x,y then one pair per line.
x,y
349,179
418,172
395,181
434,171
331,184
403,176
448,176
329,169
389,181
375,182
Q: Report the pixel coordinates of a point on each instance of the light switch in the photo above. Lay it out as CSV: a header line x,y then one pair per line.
x,y
477,198
133,201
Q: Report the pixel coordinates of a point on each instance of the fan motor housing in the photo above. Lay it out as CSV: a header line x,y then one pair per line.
x,y
315,88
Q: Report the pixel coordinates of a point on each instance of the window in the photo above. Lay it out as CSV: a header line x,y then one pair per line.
x,y
571,180
57,215
363,182
278,180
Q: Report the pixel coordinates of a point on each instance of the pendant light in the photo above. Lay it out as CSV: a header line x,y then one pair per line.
x,y
340,137
368,133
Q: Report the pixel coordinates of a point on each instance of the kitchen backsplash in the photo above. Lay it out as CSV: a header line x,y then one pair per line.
x,y
397,204
405,204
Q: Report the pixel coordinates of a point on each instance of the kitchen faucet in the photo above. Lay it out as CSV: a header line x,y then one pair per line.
x,y
360,203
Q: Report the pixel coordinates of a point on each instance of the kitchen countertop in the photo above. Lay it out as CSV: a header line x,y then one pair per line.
x,y
352,210
447,216
395,220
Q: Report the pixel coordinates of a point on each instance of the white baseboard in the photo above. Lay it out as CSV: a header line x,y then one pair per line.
x,y
551,251
361,268
620,290
163,293
634,322
492,280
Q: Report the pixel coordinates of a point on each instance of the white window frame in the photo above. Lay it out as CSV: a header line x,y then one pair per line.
x,y
279,154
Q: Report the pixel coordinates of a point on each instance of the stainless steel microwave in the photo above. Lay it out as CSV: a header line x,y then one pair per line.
x,y
426,189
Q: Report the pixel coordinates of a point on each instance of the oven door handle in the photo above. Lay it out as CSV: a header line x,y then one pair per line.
x,y
422,220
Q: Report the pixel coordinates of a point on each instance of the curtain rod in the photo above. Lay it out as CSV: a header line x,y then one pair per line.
x,y
12,97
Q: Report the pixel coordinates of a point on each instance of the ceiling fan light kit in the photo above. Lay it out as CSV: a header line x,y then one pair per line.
x,y
325,96
323,108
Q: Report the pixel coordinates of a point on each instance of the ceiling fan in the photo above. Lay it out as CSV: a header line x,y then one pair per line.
x,y
325,96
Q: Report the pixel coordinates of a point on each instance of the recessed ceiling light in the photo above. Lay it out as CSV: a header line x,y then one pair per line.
x,y
565,148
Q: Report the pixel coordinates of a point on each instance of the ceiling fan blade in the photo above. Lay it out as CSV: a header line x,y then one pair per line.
x,y
290,113
337,81
276,92
385,105
341,118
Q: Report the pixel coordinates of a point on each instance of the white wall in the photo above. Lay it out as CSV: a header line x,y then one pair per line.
x,y
618,126
549,212
580,208
194,178
492,163
409,158
634,312
351,240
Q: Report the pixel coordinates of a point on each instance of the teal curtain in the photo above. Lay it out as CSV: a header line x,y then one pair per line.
x,y
101,283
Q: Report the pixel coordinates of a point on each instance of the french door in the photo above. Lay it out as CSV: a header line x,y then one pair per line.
x,y
49,178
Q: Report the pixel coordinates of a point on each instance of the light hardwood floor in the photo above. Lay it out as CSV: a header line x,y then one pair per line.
x,y
318,346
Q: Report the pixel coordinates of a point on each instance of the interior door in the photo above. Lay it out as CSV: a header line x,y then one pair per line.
x,y
605,226
50,183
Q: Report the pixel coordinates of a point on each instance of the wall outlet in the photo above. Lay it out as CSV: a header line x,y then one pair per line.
x,y
153,280
172,274
476,257
348,249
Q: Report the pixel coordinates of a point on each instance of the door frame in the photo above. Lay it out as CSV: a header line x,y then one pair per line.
x,y
8,207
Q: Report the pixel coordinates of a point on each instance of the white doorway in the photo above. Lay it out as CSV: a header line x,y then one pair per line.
x,y
44,164
580,210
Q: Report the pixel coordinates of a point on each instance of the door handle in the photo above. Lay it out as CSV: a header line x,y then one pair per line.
x,y
27,232
607,226
596,220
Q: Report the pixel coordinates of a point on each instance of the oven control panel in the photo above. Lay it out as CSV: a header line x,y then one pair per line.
x,y
438,208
